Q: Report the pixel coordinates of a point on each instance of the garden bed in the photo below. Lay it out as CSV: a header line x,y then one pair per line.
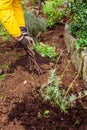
x,y
21,105
78,57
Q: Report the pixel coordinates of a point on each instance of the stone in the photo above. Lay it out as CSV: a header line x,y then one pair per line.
x,y
70,42
78,58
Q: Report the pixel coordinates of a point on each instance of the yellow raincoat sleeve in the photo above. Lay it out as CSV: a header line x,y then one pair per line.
x,y
11,16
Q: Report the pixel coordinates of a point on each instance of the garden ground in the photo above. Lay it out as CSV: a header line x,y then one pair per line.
x,y
21,106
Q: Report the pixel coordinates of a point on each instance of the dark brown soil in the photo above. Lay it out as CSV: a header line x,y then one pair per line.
x,y
21,106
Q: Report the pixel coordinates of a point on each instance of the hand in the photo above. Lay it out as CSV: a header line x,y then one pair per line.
x,y
26,43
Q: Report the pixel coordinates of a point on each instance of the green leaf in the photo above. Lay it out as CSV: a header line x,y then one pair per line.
x,y
46,113
45,50
2,76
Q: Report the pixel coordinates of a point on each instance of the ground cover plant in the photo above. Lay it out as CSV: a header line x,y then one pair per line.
x,y
21,104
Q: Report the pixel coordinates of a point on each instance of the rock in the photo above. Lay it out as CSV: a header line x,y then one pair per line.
x,y
79,58
71,48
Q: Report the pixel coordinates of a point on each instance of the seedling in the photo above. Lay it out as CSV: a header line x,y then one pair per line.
x,y
46,113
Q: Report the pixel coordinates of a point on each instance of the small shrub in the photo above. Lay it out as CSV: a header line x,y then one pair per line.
x,y
52,11
46,51
35,25
53,93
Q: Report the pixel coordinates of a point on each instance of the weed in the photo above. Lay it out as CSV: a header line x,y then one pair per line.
x,y
46,113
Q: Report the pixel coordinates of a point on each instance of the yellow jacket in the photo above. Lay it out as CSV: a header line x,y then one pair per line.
x,y
11,16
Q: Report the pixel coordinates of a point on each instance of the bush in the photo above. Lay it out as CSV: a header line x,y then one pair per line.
x,y
57,96
35,25
46,51
52,11
78,25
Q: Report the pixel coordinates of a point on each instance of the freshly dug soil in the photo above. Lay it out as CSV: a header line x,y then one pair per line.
x,y
21,105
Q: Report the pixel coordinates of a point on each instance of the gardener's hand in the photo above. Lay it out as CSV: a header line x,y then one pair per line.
x,y
26,43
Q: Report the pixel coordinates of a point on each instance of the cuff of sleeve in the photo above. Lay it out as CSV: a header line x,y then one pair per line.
x,y
19,38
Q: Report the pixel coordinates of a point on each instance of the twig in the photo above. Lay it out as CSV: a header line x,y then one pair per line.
x,y
71,85
57,61
80,97
65,68
69,62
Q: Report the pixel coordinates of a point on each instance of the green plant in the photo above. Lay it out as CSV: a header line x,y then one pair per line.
x,y
52,11
4,34
78,25
3,76
35,25
46,51
82,40
35,1
57,96
46,113
23,3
